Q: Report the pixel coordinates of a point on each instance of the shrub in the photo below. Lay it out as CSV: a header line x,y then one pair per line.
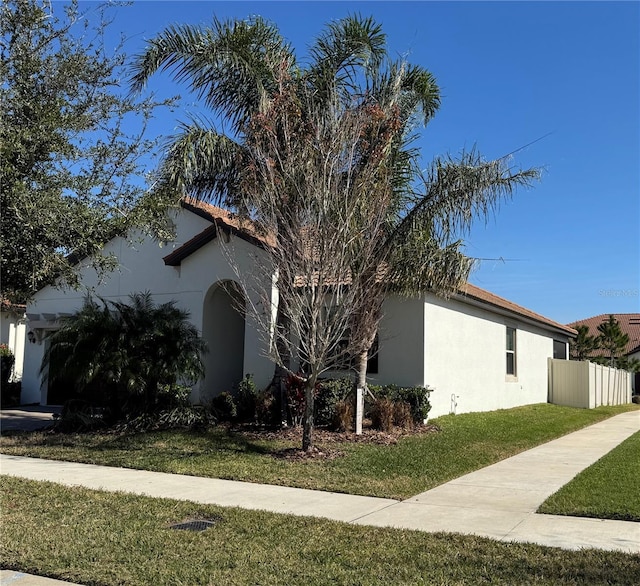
x,y
124,356
635,399
295,399
181,417
382,414
344,415
7,360
224,407
330,393
418,400
416,397
402,416
80,416
10,394
246,399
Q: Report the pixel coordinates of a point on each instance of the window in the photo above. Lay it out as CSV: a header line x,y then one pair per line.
x,y
511,351
559,350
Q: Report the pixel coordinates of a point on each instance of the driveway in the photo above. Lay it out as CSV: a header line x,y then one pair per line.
x,y
28,417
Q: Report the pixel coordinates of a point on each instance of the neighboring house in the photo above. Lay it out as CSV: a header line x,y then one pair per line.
x,y
629,324
478,351
12,333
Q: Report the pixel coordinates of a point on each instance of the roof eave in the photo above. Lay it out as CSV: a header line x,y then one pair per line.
x,y
472,300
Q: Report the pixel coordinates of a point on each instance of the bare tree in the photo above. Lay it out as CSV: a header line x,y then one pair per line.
x,y
316,211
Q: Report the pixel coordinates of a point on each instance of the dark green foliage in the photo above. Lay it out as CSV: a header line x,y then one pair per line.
x,y
331,392
606,348
69,166
247,404
584,344
612,339
7,360
10,394
416,397
127,359
224,407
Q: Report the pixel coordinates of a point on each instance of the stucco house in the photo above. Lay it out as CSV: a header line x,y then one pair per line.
x,y
479,352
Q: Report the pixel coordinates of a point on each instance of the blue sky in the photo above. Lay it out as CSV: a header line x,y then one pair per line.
x,y
510,73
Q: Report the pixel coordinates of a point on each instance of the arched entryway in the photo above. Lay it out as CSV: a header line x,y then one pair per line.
x,y
223,329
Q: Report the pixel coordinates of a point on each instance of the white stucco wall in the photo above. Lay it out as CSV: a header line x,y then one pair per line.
x,y
13,334
400,343
141,268
465,359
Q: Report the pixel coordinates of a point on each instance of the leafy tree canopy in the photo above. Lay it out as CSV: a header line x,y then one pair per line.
x,y
71,145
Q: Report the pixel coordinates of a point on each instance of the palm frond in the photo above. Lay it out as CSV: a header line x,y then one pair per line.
x,y
349,46
232,65
457,192
421,264
201,163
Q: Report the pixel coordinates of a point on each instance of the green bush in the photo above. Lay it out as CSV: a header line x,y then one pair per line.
x,y
224,407
10,394
416,397
247,399
331,392
7,360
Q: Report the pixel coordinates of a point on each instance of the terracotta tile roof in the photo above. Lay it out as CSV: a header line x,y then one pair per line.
x,y
629,324
489,298
221,219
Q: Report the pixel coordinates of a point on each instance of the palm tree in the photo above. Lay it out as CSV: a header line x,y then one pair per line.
x,y
250,77
122,354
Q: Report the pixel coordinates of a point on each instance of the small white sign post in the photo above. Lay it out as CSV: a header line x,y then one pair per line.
x,y
359,409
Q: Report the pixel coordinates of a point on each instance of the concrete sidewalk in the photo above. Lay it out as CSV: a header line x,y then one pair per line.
x,y
498,501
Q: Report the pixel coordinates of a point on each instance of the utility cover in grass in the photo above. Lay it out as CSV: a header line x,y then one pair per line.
x,y
195,524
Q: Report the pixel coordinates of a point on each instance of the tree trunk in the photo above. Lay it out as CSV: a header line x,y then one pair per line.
x,y
307,422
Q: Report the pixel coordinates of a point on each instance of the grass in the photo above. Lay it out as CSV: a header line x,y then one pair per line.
x,y
609,489
416,463
99,538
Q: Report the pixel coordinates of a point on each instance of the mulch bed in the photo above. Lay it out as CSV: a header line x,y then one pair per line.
x,y
323,438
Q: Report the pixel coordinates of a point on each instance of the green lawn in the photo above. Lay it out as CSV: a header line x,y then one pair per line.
x,y
99,538
465,443
609,489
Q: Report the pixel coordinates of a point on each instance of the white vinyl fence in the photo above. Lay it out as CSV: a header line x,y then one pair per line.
x,y
587,385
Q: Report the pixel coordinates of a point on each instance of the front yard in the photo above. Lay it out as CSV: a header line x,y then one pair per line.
x,y
99,538
414,464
